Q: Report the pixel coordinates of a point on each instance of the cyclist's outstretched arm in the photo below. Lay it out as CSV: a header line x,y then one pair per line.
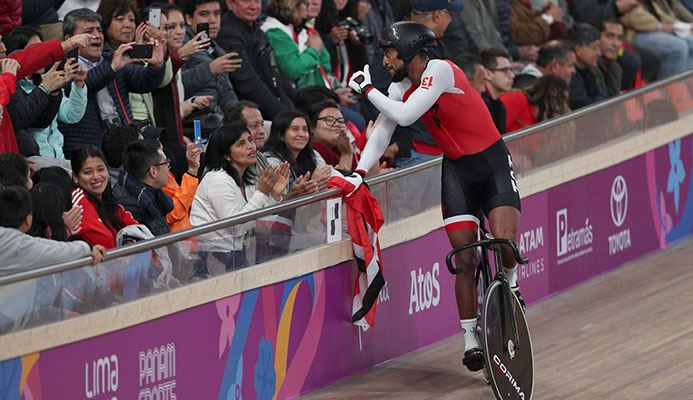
x,y
377,143
436,79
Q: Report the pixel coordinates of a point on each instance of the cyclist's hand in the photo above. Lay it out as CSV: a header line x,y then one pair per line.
x,y
361,81
348,183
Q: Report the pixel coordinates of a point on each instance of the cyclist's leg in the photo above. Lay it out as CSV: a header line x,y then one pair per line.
x,y
461,212
466,295
501,202
503,223
465,284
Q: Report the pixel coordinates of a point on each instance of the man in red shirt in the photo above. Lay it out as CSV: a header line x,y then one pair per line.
x,y
477,174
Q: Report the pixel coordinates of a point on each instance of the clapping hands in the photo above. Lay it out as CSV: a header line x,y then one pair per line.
x,y
273,180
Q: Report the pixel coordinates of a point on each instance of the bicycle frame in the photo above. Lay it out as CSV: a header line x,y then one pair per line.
x,y
494,245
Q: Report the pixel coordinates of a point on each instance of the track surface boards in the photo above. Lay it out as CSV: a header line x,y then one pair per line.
x,y
627,334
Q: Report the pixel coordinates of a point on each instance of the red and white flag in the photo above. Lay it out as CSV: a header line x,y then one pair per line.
x,y
364,219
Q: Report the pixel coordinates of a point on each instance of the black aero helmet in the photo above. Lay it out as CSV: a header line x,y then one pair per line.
x,y
407,37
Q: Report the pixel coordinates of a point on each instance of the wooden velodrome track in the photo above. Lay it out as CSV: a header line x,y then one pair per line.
x,y
627,334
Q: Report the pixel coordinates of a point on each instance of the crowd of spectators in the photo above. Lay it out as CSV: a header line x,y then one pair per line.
x,y
115,129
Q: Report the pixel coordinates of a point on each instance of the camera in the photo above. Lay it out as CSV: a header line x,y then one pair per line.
x,y
364,36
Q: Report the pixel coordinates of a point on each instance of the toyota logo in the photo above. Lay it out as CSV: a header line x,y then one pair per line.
x,y
619,200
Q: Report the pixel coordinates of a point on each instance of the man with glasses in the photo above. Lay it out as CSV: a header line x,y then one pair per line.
x,y
138,190
498,78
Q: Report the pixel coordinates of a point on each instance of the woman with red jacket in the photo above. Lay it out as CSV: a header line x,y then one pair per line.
x,y
102,216
543,99
8,77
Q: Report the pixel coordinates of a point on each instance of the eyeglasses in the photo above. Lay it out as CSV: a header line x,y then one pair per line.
x,y
164,163
505,70
330,120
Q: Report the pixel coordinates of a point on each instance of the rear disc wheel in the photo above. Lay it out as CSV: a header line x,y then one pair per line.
x,y
510,365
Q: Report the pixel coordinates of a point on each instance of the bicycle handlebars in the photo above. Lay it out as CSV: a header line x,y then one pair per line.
x,y
487,243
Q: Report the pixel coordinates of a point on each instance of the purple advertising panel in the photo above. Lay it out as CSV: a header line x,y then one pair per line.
x,y
292,337
669,179
533,240
282,339
598,222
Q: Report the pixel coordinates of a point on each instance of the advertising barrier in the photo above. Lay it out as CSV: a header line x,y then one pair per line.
x,y
293,337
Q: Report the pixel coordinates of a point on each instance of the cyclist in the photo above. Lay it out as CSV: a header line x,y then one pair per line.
x,y
477,173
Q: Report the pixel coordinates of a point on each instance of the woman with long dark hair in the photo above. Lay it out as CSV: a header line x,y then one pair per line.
x,y
289,141
543,99
102,216
48,205
228,188
61,179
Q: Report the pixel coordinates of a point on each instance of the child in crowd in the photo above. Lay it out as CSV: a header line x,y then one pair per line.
x,y
15,220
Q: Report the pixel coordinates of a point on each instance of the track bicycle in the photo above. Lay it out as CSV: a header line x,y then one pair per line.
x,y
502,325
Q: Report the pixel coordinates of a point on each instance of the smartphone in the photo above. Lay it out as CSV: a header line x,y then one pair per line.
x,y
141,51
155,17
236,48
198,132
203,26
74,53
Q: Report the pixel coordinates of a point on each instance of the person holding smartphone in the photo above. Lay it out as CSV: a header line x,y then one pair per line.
x,y
43,96
206,73
111,77
143,106
169,107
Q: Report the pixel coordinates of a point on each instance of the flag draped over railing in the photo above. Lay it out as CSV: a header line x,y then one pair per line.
x,y
364,219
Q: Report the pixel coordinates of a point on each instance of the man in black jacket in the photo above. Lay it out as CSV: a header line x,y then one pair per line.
x,y
139,185
632,57
584,89
258,79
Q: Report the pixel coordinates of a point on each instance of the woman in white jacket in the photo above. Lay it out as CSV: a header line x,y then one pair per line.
x,y
229,188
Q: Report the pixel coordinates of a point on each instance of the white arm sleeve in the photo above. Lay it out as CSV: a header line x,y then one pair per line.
x,y
436,79
377,143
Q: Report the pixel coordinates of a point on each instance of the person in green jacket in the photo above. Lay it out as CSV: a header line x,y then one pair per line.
x,y
300,53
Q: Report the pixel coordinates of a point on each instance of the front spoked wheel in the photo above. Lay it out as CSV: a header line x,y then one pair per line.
x,y
509,364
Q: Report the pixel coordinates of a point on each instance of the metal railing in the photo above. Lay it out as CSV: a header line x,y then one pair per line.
x,y
604,104
16,275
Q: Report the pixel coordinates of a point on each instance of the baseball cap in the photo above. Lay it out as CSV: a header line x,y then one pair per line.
x,y
152,132
433,5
